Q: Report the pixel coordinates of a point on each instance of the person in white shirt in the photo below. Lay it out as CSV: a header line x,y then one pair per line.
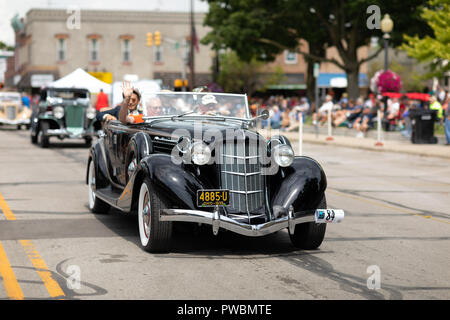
x,y
322,114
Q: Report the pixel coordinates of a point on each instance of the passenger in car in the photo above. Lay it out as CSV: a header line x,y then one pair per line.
x,y
127,109
154,107
208,105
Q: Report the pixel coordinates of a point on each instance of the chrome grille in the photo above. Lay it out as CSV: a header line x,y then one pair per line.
x,y
11,112
240,172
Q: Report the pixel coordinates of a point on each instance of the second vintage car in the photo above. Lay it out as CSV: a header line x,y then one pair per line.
x,y
64,113
199,158
12,111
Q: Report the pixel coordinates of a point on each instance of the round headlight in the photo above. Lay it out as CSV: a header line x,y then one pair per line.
x,y
283,155
90,113
58,112
200,153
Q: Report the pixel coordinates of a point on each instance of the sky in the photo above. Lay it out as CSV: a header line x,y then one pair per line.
x,y
9,8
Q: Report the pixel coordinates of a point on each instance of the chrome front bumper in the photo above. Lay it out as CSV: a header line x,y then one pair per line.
x,y
219,221
67,134
15,122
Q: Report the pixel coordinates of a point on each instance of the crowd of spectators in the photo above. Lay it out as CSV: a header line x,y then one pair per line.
x,y
359,114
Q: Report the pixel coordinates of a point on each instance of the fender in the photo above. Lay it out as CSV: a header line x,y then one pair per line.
x,y
143,146
171,181
303,186
101,174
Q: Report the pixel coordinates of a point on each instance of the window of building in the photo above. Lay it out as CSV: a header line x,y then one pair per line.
x,y
93,50
290,57
61,49
126,50
158,54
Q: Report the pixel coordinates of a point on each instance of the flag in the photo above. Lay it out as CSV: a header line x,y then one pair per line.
x,y
195,39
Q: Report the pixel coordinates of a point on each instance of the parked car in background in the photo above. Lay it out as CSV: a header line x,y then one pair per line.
x,y
198,158
65,113
12,111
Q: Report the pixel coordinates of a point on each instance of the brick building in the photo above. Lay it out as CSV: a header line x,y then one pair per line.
x,y
51,44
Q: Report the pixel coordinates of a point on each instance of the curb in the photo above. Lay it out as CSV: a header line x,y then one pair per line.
x,y
423,150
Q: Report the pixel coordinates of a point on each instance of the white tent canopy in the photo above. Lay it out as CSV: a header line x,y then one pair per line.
x,y
83,80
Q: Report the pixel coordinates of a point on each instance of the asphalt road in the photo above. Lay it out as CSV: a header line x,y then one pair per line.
x,y
397,230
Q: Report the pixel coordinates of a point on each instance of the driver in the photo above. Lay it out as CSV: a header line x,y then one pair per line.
x,y
208,105
154,107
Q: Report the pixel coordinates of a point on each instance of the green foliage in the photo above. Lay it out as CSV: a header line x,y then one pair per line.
x,y
240,76
433,49
412,80
4,46
262,29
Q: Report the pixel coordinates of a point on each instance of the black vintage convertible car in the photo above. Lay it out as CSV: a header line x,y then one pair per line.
x,y
198,157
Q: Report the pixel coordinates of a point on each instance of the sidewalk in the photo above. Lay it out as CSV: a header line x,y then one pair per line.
x,y
395,142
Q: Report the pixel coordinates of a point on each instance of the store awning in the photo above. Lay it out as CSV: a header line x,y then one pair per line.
x,y
339,80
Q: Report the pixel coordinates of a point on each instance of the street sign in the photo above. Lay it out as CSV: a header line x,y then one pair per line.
x,y
39,80
316,70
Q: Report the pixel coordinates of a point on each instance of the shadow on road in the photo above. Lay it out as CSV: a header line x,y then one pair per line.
x,y
195,240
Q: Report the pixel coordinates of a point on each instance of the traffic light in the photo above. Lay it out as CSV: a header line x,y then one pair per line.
x,y
157,38
150,39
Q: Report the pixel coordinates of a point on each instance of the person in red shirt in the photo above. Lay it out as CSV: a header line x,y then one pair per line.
x,y
102,101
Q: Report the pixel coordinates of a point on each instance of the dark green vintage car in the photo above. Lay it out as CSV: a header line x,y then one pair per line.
x,y
63,113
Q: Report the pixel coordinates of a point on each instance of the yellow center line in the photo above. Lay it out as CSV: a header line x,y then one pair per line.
x,y
9,279
52,286
375,202
6,210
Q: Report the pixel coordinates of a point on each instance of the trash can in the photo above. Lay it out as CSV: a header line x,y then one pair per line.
x,y
422,125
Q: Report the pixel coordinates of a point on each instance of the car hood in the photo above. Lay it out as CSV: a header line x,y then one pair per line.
x,y
180,127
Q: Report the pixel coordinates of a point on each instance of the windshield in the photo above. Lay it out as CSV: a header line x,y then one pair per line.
x,y
6,96
194,104
68,94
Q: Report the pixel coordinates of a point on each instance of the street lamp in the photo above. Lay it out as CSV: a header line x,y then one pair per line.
x,y
386,26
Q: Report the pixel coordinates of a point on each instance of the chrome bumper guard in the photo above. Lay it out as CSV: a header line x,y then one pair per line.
x,y
15,122
219,221
67,134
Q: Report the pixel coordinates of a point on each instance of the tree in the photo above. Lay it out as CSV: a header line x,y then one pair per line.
x,y
264,28
240,76
4,46
433,49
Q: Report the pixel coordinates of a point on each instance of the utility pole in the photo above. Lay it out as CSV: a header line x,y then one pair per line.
x,y
191,60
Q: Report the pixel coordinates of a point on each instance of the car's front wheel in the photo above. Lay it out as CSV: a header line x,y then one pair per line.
x,y
155,235
96,205
309,235
42,137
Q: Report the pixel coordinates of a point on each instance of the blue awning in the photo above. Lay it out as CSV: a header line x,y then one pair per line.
x,y
328,80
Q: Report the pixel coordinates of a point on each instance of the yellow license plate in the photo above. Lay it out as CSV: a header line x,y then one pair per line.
x,y
212,198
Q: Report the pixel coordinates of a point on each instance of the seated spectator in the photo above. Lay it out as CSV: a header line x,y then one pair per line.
x,y
365,120
275,120
285,119
352,112
341,114
322,114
